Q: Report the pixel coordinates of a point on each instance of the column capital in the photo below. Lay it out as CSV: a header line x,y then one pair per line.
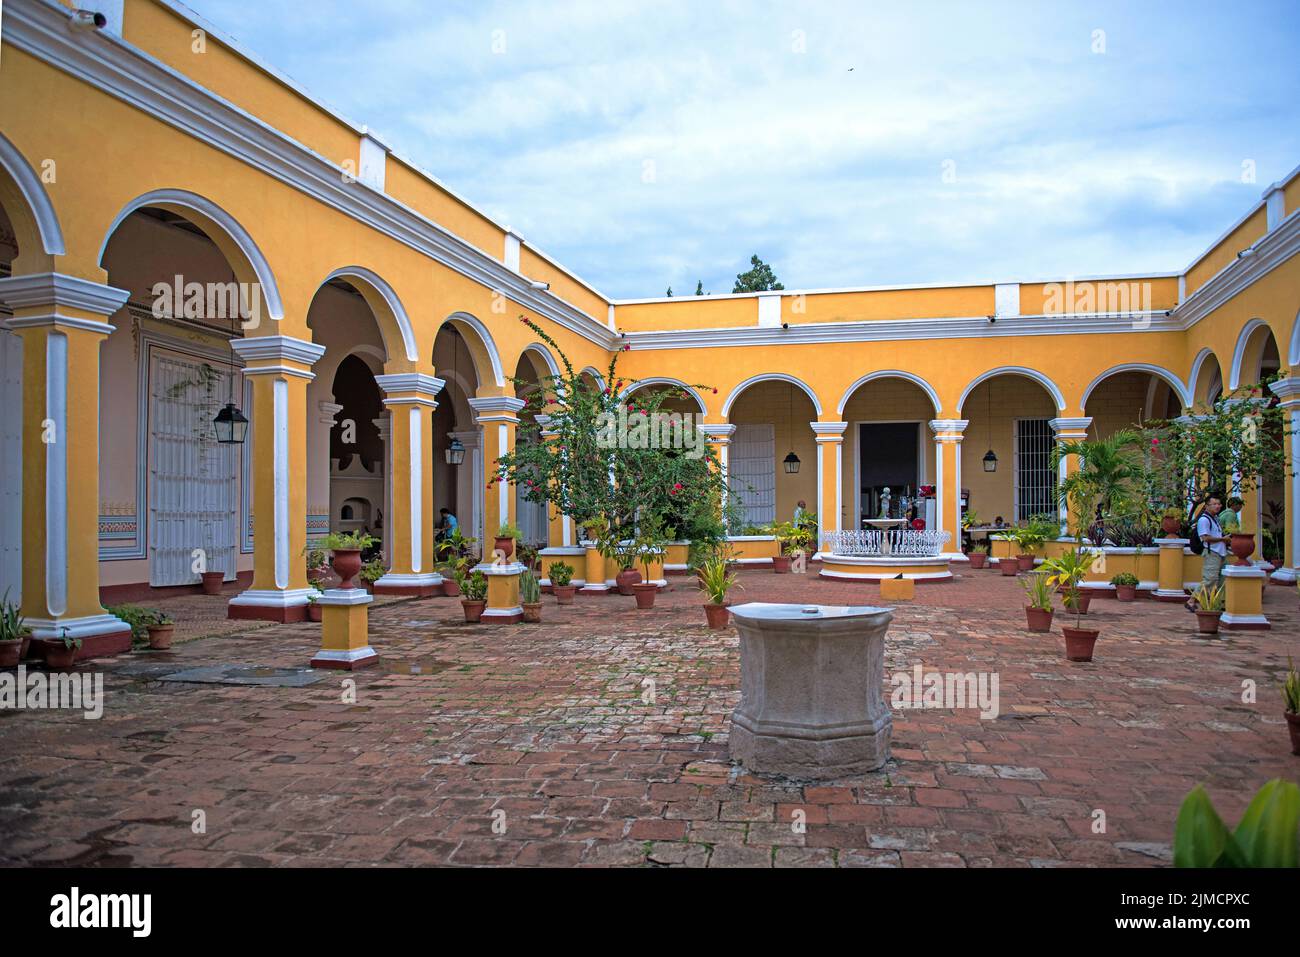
x,y
328,411
497,408
1288,390
384,423
948,430
719,433
56,290
410,388
829,431
276,351
1065,425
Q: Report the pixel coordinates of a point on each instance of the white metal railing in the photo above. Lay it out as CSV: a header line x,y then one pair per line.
x,y
904,542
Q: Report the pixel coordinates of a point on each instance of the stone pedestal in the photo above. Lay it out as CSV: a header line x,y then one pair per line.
x,y
811,702
345,630
503,606
1243,587
1169,585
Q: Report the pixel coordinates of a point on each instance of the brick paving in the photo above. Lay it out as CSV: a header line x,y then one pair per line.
x,y
542,730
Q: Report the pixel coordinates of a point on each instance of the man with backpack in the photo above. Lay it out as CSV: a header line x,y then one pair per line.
x,y
1215,546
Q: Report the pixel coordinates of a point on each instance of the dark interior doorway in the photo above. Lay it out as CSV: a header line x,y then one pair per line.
x,y
888,453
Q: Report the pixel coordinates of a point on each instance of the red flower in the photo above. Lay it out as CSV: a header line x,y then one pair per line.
x,y
627,347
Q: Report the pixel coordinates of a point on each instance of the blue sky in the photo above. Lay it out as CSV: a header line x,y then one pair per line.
x,y
649,144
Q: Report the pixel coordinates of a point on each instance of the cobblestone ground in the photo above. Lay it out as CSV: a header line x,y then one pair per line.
x,y
546,723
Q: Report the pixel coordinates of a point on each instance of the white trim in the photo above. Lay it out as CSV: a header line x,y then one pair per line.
x,y
770,377
346,597
56,475
1239,351
425,386
55,290
538,349
1270,251
769,310
274,598
350,656
84,627
389,295
416,459
489,345
1052,389
891,374
1175,383
1194,376
402,579
501,612
38,201
280,479
1006,299
1227,618
255,348
665,380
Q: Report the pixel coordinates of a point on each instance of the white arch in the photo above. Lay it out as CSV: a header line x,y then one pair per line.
x,y
38,202
1038,377
1194,377
665,380
595,374
1239,351
540,350
1172,380
891,374
238,235
489,345
390,299
1293,357
769,377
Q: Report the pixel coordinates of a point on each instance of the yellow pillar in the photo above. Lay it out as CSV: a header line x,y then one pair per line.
x,y
1243,587
948,435
499,417
279,368
408,526
1070,430
1170,580
1288,390
830,471
345,630
503,606
60,320
594,570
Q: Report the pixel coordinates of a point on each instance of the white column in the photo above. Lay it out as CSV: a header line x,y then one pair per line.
x,y
1069,430
830,468
1288,390
948,435
384,423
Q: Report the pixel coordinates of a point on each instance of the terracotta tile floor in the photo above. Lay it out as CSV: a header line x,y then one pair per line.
x,y
531,744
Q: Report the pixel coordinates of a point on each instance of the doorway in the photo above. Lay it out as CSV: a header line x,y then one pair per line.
x,y
889,456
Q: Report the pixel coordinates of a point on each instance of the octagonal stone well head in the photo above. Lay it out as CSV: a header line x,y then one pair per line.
x,y
811,701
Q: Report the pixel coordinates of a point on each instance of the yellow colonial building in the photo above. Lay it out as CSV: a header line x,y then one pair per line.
x,y
182,229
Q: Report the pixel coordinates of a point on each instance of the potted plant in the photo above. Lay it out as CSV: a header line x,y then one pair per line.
x,y
1009,566
790,539
1291,694
645,594
212,582
61,652
1126,585
14,634
624,552
371,572
1209,608
345,549
978,555
314,611
562,583
717,579
1068,570
161,630
530,597
1038,613
507,535
1171,522
473,591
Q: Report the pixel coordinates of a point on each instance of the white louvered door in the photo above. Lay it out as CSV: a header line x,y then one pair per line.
x,y
193,489
751,471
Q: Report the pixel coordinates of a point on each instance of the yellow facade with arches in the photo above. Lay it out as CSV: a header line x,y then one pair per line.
x,y
153,151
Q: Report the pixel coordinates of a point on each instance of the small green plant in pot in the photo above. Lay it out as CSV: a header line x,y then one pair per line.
x,y
562,586
161,630
978,555
717,579
1068,571
346,549
61,652
1291,696
791,540
530,597
14,634
138,618
1038,591
473,594
1268,834
1209,608
507,534
1126,584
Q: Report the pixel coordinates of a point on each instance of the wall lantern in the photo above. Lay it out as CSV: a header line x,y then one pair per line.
x,y
230,425
455,452
990,461
792,463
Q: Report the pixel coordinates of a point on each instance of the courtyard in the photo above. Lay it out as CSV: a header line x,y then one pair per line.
x,y
599,738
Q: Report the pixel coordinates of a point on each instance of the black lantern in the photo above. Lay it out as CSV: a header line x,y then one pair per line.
x,y
230,425
990,461
455,452
792,463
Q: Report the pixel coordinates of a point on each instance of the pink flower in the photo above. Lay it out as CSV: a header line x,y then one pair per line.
x,y
627,348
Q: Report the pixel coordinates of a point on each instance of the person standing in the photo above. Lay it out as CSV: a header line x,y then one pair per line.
x,y
799,509
1230,517
1215,541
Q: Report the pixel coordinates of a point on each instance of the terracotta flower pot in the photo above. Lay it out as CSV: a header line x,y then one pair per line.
x,y
1026,561
27,643
315,612
10,653
450,588
717,615
1084,601
1039,619
1171,526
781,564
1009,567
1242,545
473,609
533,612
564,593
1207,622
212,582
505,545
626,579
977,559
1126,592
645,594
1079,642
1293,725
346,562
58,655
160,636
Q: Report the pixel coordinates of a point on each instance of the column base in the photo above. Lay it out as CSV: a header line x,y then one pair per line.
x,y
271,604
1169,594
595,588
101,635
1244,622
1283,576
415,586
345,660
502,616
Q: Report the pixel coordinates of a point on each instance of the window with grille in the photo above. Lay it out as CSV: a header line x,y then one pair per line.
x,y
751,470
1035,479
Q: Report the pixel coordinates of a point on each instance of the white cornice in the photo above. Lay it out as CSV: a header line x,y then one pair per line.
x,y
56,289
417,382
1270,251
284,348
829,428
110,64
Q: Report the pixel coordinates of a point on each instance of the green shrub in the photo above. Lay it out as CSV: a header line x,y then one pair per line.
x,y
1266,835
346,541
137,617
561,574
1124,578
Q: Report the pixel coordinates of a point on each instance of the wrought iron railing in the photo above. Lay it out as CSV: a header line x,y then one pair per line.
x,y
902,542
